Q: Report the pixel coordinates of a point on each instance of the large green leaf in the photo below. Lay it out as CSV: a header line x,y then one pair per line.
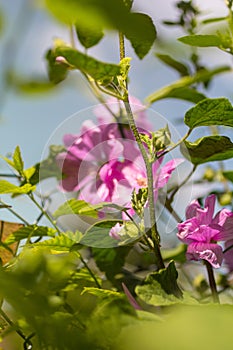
x,y
96,69
215,111
77,207
57,69
201,40
208,149
7,187
142,45
30,231
98,235
184,82
161,288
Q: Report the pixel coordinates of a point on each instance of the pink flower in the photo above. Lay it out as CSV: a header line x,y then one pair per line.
x,y
202,230
96,163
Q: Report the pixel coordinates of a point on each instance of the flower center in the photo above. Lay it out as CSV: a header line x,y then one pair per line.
x,y
142,181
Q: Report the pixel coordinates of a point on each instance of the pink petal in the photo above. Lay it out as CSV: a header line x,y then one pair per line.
x,y
228,256
191,210
166,171
203,251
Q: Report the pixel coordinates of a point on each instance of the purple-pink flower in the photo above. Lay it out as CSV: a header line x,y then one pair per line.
x,y
202,230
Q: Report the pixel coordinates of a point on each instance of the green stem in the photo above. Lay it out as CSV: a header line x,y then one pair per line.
x,y
44,212
122,45
212,282
153,228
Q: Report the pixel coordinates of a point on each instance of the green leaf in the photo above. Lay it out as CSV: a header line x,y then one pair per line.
x,y
171,62
61,243
77,207
228,174
57,69
142,44
96,69
187,94
89,35
110,260
103,293
168,91
208,149
7,187
18,161
213,20
30,231
216,111
160,288
34,86
201,40
98,235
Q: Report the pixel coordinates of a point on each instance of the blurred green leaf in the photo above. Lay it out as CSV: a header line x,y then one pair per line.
x,y
7,187
187,94
208,149
77,207
228,174
215,111
89,35
201,40
103,293
171,62
142,45
177,86
30,231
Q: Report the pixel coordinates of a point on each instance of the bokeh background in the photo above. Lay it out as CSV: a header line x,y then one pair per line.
x,y
30,118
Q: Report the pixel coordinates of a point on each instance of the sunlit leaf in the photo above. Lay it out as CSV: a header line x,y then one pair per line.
x,y
208,149
18,161
7,187
28,232
216,111
77,207
62,242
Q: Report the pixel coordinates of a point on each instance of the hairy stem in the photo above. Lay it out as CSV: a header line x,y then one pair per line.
x,y
153,228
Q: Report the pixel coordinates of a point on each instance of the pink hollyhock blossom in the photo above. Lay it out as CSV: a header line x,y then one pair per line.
x,y
103,167
202,230
115,106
